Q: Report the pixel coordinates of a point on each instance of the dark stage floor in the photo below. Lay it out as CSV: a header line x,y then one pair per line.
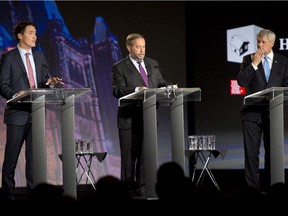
x,y
227,180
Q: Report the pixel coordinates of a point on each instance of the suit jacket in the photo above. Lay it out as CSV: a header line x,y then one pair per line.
x,y
125,78
13,78
255,81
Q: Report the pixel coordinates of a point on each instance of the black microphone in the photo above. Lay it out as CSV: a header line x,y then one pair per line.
x,y
58,85
50,72
162,84
170,90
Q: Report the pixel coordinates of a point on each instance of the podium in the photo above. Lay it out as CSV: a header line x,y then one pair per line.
x,y
276,97
174,98
66,97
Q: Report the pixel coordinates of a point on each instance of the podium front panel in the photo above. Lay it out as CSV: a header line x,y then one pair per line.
x,y
276,98
66,97
151,99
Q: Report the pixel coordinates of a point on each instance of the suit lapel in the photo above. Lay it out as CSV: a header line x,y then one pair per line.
x,y
37,64
149,73
148,68
261,68
274,64
134,70
19,61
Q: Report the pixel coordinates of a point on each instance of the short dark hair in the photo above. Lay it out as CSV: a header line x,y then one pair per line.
x,y
20,28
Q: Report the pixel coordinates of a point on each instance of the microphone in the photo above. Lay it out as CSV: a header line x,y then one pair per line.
x,y
170,90
162,84
53,76
50,72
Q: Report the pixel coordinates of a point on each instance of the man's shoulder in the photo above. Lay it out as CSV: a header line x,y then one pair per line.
x,y
279,56
149,59
11,51
10,55
37,53
122,62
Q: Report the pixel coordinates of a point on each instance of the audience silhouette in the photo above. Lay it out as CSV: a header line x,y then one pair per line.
x,y
172,184
109,188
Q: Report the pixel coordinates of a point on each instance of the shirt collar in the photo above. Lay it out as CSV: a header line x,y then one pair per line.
x,y
135,61
270,55
22,51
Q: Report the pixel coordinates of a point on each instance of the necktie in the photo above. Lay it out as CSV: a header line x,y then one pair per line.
x,y
143,73
30,71
266,68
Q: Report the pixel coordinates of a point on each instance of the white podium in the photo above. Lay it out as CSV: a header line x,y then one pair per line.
x,y
276,98
66,98
151,98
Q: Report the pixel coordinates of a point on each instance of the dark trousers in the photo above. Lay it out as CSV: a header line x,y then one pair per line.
x,y
15,137
132,157
253,132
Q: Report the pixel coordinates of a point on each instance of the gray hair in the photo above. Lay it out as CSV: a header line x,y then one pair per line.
x,y
131,37
268,33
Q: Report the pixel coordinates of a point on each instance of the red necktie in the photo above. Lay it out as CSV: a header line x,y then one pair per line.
x,y
143,73
30,71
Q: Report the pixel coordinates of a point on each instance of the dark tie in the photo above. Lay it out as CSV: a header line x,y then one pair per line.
x,y
30,71
143,73
266,68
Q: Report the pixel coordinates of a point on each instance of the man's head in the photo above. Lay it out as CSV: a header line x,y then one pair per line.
x,y
265,40
25,34
136,46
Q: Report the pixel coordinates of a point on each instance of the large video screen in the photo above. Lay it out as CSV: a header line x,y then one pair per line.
x,y
81,41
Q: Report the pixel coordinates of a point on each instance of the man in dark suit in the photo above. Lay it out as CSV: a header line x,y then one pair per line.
x,y
13,81
126,79
255,118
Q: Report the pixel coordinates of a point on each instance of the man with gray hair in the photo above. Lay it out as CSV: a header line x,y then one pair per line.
x,y
258,71
134,73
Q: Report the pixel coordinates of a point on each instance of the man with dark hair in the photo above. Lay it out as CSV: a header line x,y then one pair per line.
x,y
21,69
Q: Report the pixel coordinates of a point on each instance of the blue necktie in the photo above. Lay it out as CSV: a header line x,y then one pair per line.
x,y
143,73
266,68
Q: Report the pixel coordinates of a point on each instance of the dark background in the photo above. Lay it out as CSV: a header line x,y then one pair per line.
x,y
208,68
161,23
189,41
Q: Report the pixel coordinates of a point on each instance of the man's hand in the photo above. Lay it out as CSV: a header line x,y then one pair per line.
x,y
142,87
18,94
54,81
175,86
257,57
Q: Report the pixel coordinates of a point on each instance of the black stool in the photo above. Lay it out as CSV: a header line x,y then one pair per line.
x,y
85,165
204,157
